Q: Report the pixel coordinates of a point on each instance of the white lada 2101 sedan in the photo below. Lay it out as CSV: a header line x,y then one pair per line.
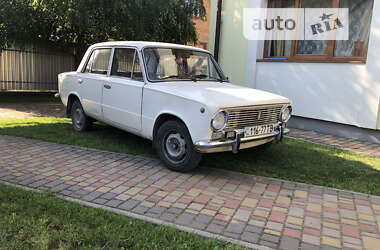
x,y
177,96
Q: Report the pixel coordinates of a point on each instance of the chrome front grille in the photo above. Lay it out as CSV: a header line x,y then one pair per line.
x,y
242,117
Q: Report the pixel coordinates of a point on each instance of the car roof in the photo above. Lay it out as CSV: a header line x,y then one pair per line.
x,y
142,44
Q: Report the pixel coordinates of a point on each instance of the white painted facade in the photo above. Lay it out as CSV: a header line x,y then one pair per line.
x,y
346,93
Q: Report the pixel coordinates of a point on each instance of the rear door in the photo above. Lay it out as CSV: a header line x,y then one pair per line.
x,y
122,94
92,81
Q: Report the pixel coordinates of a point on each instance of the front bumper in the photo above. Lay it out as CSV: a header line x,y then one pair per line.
x,y
238,143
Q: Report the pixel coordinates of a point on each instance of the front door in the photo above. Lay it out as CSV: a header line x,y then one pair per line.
x,y
92,80
122,94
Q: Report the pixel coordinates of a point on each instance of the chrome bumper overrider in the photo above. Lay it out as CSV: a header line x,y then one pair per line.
x,y
238,143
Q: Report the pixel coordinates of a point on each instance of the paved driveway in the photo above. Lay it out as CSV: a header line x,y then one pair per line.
x,y
31,110
248,209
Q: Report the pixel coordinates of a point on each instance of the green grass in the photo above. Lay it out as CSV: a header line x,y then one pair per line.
x,y
30,220
292,160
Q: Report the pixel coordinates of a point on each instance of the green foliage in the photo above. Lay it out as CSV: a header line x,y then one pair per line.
x,y
19,22
80,23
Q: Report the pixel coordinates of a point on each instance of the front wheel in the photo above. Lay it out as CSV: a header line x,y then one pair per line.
x,y
79,119
174,146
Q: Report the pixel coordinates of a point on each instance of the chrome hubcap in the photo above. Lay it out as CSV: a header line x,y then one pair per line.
x,y
175,146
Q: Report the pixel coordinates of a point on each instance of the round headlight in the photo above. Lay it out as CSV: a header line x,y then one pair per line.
x,y
219,122
286,113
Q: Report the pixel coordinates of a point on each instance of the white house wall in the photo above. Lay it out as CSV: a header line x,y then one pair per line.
x,y
340,92
343,93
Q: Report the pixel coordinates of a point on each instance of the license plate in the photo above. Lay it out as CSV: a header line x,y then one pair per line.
x,y
259,130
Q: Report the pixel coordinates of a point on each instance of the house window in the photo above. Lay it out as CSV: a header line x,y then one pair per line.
x,y
203,46
353,50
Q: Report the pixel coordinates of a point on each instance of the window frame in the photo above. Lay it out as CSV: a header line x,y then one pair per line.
x,y
84,70
133,62
92,62
327,58
133,65
219,70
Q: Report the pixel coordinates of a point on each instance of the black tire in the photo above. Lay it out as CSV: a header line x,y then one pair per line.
x,y
175,147
80,121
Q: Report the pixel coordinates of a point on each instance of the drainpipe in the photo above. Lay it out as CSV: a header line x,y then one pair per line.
x,y
378,117
217,30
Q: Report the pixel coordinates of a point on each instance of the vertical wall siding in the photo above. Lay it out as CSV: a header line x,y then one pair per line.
x,y
32,69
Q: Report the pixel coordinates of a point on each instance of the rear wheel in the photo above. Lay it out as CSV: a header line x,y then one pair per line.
x,y
175,147
79,119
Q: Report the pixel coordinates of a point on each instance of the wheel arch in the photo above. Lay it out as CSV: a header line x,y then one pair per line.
x,y
161,119
189,160
71,98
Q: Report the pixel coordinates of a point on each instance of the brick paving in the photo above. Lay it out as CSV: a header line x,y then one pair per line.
x,y
263,211
31,110
357,146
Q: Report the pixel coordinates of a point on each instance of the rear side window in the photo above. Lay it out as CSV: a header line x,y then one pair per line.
x,y
89,63
99,62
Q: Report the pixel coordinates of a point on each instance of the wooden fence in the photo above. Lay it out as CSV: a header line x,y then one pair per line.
x,y
32,69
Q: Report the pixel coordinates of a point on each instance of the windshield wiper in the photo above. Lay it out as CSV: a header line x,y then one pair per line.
x,y
169,77
196,77
193,78
217,79
201,76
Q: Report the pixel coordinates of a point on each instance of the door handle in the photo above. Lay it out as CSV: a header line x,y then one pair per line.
x,y
80,81
107,86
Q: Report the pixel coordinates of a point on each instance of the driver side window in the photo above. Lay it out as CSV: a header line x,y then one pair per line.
x,y
123,62
137,70
126,63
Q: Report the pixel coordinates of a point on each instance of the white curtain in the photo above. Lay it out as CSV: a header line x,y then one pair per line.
x,y
278,48
314,47
360,26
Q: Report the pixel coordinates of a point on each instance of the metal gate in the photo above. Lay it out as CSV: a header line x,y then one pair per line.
x,y
32,69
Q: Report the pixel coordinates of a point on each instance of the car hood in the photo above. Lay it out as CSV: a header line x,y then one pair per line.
x,y
216,95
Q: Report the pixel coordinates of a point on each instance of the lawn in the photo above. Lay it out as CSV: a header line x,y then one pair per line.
x,y
292,160
30,220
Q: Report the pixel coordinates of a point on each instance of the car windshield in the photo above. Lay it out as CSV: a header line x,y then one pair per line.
x,y
167,64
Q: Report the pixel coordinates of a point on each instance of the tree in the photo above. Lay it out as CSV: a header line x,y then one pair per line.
x,y
73,25
19,21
